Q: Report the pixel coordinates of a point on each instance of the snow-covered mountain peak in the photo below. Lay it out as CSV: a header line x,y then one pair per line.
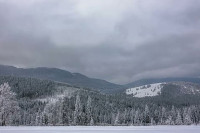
x,y
145,90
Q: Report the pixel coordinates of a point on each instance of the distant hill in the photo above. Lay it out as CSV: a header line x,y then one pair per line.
x,y
59,75
165,90
160,80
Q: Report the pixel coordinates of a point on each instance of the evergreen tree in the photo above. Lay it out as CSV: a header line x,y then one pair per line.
x,y
9,109
137,118
89,109
38,119
169,121
173,113
178,119
146,115
77,111
91,122
117,119
132,112
187,116
163,115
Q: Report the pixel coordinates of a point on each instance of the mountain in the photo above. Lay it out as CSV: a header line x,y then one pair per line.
x,y
81,80
160,80
59,75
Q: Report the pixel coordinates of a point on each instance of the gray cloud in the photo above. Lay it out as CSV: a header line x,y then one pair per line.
x,y
119,41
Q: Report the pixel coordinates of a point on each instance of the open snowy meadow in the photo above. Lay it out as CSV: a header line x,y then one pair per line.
x,y
79,129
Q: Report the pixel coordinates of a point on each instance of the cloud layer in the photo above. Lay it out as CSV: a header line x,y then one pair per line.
x,y
116,40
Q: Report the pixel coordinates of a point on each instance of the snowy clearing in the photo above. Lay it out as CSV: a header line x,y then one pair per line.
x,y
145,90
79,129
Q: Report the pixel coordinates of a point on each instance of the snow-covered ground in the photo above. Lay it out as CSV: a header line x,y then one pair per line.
x,y
78,129
145,90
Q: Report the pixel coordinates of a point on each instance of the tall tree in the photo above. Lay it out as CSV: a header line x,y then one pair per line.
x,y
187,116
178,119
91,122
146,115
89,109
77,111
117,119
137,117
9,109
132,112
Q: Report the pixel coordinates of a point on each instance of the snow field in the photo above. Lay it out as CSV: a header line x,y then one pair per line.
x,y
100,129
145,90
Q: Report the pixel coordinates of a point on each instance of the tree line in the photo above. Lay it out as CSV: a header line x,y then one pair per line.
x,y
90,108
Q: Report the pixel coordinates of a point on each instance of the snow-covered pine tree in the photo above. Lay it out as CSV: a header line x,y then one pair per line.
x,y
169,121
187,116
117,119
173,113
178,119
9,109
146,118
77,111
137,117
89,109
152,121
194,116
125,116
38,119
132,112
60,112
91,122
163,115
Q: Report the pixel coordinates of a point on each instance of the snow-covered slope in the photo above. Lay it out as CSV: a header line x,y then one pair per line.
x,y
145,90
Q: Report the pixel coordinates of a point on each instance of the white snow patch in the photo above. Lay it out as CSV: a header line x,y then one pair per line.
x,y
145,90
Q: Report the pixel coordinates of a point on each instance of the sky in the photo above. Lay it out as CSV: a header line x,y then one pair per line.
x,y
116,40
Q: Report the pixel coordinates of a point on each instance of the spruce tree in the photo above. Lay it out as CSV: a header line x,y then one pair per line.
x,y
9,109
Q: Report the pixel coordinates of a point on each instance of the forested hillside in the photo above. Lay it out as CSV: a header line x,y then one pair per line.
x,y
29,101
161,80
59,75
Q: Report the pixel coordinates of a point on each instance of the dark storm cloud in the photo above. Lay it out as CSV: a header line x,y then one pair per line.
x,y
116,40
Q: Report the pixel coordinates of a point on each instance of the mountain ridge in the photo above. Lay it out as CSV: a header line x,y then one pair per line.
x,y
80,80
60,75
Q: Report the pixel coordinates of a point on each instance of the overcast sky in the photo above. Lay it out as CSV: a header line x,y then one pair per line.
x,y
116,40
